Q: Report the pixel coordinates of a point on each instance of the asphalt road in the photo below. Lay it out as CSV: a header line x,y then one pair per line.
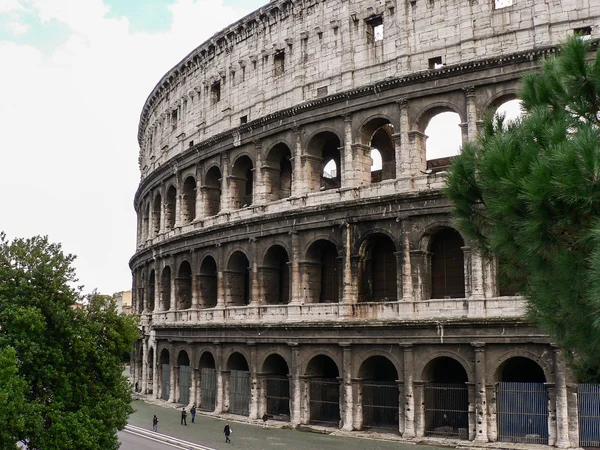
x,y
133,442
208,431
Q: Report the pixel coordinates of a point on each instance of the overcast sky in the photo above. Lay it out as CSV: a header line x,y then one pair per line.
x,y
74,77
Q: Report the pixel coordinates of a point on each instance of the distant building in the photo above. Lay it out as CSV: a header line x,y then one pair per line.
x,y
123,300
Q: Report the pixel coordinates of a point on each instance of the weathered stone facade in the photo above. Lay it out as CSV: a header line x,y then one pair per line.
x,y
272,285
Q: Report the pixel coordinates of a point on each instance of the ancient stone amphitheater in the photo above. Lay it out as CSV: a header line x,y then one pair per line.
x,y
295,252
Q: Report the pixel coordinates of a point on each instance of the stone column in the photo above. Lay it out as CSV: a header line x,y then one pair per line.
x,y
296,296
419,391
297,175
195,375
200,213
178,209
348,403
254,389
221,279
225,188
348,174
350,283
220,385
296,394
195,297
255,299
402,156
226,378
172,360
144,385
151,233
361,155
481,434
418,262
476,274
172,287
562,411
177,395
492,424
407,282
417,149
573,408
470,97
467,257
258,185
162,209
551,413
357,390
155,372
409,396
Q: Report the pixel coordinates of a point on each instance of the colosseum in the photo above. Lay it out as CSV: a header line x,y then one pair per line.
x,y
296,256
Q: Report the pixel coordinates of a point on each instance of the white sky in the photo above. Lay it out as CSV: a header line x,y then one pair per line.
x,y
74,77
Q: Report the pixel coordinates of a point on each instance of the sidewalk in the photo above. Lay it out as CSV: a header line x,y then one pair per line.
x,y
253,435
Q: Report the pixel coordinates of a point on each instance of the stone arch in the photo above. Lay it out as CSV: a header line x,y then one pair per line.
x,y
171,207
156,214
207,373
165,289
431,110
546,364
183,285
439,145
378,393
421,368
312,353
322,149
208,281
499,98
183,377
361,357
377,270
276,386
322,271
322,374
237,282
239,382
212,191
189,199
377,133
277,171
276,276
273,353
207,359
242,181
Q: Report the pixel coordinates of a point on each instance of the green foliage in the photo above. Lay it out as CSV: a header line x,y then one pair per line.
x,y
61,363
529,192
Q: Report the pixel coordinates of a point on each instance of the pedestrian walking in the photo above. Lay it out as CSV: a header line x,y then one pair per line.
x,y
193,413
227,432
183,416
155,423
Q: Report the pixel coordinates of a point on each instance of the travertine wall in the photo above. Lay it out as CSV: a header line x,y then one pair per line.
x,y
327,48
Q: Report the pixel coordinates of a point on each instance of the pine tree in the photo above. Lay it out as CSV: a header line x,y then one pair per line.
x,y
529,193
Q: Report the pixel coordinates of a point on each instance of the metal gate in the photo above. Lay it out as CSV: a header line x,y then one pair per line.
x,y
589,415
239,392
325,401
208,389
166,382
184,384
522,413
380,405
447,410
278,397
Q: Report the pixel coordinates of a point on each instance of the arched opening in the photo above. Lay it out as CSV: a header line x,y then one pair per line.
x,y
322,165
522,409
165,375
238,280
278,173
242,182
444,139
446,399
324,391
183,382
184,286
322,273
379,393
208,382
378,134
239,384
165,289
212,192
156,211
151,290
509,109
171,208
377,270
208,282
277,389
150,372
189,200
146,222
447,264
276,276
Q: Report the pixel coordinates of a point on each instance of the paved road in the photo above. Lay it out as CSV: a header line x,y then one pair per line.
x,y
208,431
133,442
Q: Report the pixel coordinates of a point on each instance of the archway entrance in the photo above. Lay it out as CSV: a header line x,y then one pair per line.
x,y
447,265
183,284
446,399
277,384
276,276
183,361
208,382
377,270
522,402
379,390
324,391
239,385
165,375
238,280
208,283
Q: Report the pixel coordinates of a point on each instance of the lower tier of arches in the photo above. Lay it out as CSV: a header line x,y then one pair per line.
x,y
498,391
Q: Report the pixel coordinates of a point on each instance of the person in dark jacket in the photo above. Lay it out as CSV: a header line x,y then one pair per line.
x,y
183,416
155,423
193,413
227,432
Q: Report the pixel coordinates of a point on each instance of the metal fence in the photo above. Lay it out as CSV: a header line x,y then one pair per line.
x,y
380,405
589,415
522,413
208,389
324,401
446,410
166,381
278,397
184,384
239,392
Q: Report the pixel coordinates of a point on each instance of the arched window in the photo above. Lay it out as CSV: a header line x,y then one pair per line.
x,y
183,284
278,173
323,164
170,208
189,200
212,192
447,265
242,183
156,212
444,139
